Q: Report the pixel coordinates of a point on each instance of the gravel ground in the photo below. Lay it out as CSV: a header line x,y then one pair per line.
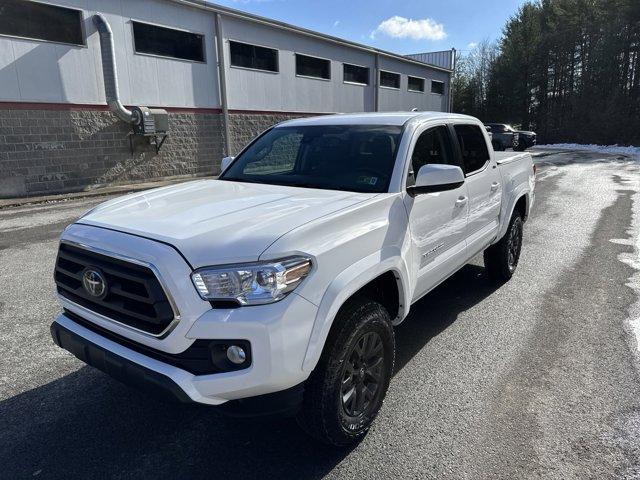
x,y
535,379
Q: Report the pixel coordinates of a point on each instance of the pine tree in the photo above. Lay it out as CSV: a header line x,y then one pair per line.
x,y
568,68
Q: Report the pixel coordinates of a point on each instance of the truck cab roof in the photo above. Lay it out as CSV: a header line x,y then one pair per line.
x,y
378,118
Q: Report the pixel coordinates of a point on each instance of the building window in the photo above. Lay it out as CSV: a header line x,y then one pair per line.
x,y
313,67
389,79
168,42
251,56
38,21
356,74
437,87
415,84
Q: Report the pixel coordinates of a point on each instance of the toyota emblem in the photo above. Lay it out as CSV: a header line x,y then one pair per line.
x,y
94,282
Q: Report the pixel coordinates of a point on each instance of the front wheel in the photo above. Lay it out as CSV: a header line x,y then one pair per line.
x,y
345,391
501,258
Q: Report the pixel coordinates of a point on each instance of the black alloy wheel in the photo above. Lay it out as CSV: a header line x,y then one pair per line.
x,y
514,245
362,376
345,392
501,258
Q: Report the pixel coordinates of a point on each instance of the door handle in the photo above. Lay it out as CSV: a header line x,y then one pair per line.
x,y
461,201
494,186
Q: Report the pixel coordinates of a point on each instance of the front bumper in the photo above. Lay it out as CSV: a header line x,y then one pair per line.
x,y
278,334
117,366
286,402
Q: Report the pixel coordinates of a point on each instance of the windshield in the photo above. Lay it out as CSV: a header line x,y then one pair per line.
x,y
357,158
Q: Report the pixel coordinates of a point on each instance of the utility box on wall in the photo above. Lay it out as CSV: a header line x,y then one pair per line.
x,y
150,121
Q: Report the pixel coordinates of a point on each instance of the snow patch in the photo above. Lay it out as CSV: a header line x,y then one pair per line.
x,y
633,152
633,259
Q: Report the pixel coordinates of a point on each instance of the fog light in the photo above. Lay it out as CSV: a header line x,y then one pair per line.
x,y
236,354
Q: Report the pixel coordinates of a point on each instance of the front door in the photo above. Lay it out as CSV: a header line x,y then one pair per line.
x,y
437,220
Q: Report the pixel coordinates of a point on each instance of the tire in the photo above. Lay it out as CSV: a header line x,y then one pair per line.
x,y
520,148
501,258
329,412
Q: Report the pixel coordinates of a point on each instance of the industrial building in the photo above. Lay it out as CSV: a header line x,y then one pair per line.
x,y
77,112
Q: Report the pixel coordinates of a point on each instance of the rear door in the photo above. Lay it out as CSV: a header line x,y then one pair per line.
x,y
437,220
483,182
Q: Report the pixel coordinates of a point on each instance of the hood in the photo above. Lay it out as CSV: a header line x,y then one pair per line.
x,y
526,132
213,222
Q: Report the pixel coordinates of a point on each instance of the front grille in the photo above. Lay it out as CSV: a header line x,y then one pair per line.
x,y
134,295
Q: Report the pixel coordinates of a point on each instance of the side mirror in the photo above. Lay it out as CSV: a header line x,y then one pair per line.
x,y
433,178
226,161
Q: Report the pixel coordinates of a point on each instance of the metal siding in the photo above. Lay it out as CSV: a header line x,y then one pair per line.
x,y
404,100
284,91
9,89
37,71
442,59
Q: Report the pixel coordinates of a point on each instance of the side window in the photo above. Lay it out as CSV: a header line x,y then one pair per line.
x,y
167,42
473,147
275,157
254,57
433,146
40,21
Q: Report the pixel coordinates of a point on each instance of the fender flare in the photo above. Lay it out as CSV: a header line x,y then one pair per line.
x,y
350,280
518,194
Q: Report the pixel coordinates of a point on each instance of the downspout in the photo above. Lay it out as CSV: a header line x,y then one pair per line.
x,y
222,76
376,84
451,77
109,71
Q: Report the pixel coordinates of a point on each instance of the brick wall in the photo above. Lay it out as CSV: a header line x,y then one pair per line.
x,y
244,127
45,151
58,151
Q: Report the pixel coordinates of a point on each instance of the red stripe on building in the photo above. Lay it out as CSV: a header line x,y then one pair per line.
x,y
92,107
105,108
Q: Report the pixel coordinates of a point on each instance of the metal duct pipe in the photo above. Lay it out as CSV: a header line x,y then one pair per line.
x,y
109,71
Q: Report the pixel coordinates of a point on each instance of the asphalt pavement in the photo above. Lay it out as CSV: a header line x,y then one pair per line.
x,y
537,378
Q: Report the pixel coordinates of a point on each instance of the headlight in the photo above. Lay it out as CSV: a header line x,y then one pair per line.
x,y
251,283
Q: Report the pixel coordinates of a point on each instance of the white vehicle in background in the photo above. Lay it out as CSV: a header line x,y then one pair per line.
x,y
276,287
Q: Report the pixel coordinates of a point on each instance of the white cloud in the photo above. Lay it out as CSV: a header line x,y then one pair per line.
x,y
336,23
472,45
401,27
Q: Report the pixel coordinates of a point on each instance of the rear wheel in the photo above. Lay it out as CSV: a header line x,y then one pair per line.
x,y
345,392
501,259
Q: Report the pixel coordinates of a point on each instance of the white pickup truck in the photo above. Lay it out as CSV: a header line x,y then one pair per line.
x,y
276,287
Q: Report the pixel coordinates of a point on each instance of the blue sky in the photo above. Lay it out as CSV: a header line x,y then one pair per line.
x,y
405,26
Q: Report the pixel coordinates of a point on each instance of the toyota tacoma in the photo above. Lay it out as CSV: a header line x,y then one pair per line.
x,y
275,288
